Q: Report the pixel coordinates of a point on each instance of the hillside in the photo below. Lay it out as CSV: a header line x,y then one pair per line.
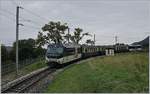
x,y
144,42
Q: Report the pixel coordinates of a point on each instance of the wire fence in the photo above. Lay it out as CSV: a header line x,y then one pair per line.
x,y
10,66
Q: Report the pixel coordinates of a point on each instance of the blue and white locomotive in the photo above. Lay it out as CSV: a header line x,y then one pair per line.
x,y
62,53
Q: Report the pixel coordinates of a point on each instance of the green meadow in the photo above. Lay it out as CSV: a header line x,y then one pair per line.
x,y
125,72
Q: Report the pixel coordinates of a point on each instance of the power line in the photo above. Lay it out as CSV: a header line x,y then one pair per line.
x,y
28,26
6,11
14,3
32,27
26,20
7,17
30,21
35,14
22,19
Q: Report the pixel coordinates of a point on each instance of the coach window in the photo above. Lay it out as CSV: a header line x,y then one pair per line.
x,y
79,50
69,51
85,50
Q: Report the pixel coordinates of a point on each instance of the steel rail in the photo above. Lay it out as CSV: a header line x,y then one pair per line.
x,y
21,84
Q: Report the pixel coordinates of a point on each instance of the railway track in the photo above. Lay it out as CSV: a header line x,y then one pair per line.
x,y
24,84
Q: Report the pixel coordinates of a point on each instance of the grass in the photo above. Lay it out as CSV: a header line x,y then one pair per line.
x,y
120,73
37,65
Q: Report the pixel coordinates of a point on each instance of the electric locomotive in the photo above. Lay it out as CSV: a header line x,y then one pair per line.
x,y
62,53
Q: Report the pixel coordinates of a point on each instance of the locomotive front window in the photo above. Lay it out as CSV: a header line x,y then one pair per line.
x,y
55,50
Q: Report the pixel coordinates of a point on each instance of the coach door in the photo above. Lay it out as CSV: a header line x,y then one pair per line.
x,y
76,52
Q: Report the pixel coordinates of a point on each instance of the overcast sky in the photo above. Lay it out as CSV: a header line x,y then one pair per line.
x,y
127,19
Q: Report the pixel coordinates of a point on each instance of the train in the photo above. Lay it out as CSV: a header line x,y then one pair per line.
x,y
63,53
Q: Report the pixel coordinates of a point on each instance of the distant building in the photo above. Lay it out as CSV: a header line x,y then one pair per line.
x,y
121,47
109,52
135,47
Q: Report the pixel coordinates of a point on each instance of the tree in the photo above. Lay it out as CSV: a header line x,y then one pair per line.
x,y
78,35
27,49
4,53
51,32
89,41
39,51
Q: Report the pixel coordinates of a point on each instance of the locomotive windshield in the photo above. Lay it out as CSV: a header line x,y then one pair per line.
x,y
54,51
